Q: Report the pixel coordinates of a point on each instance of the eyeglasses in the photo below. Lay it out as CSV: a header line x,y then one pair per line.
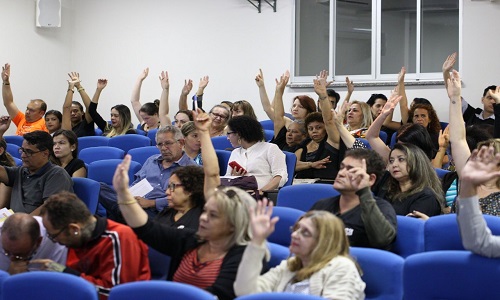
x,y
216,115
302,231
28,152
53,237
166,144
172,186
17,257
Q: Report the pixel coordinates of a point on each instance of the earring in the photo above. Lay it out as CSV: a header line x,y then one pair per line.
x,y
76,232
239,141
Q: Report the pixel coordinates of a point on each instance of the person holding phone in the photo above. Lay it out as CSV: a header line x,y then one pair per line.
x,y
253,157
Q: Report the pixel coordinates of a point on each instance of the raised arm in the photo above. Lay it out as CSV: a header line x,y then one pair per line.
x,y
201,89
100,122
403,106
186,89
4,126
136,94
443,142
479,169
459,147
66,110
448,67
320,84
164,107
202,121
496,108
350,89
264,99
83,94
389,123
8,98
279,109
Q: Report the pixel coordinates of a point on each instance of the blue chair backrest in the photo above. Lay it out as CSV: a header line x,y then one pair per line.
x,y
18,161
440,172
88,191
221,143
142,154
382,273
410,237
268,135
91,141
152,136
47,285
393,139
465,276
288,217
303,196
104,170
159,264
267,125
278,254
156,289
383,136
365,142
13,150
3,275
98,132
14,139
443,125
129,141
89,155
223,158
291,161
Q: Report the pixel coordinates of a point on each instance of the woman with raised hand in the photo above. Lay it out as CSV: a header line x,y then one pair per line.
x,y
147,114
121,120
208,258
66,153
320,264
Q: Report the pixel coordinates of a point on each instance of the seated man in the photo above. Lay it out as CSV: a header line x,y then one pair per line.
x,y
477,115
369,221
157,170
23,238
101,251
33,119
37,178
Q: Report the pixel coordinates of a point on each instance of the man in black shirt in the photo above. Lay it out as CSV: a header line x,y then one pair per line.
x,y
369,221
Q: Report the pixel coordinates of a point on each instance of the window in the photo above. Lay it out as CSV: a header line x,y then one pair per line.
x,y
370,40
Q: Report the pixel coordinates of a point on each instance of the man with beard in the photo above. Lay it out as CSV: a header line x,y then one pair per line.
x,y
157,170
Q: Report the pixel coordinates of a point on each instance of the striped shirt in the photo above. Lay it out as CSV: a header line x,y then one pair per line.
x,y
192,272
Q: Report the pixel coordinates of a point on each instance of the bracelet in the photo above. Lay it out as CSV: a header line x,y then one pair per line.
x,y
70,90
130,202
81,89
6,83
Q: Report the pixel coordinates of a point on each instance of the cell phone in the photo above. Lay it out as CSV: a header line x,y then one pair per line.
x,y
236,166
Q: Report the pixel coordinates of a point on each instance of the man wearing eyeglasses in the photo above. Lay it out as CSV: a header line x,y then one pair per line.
x,y
157,170
23,238
37,179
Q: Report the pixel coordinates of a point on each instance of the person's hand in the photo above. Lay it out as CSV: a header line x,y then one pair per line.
x,y
143,74
48,265
145,203
17,267
283,81
259,79
6,73
238,172
482,166
391,103
320,85
449,62
101,83
454,87
203,82
202,120
358,176
121,179
320,164
401,75
495,94
350,85
74,80
4,124
188,86
418,215
261,223
165,84
444,137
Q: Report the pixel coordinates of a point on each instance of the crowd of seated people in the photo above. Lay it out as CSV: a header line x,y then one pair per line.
x,y
216,235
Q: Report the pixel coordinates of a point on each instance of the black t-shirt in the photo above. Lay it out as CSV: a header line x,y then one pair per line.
x,y
324,150
74,165
280,141
424,202
354,225
84,129
190,220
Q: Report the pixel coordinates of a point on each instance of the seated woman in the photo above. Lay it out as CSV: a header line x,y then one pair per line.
x,y
53,121
192,144
182,117
359,118
208,258
120,115
256,158
185,199
242,108
413,184
66,153
289,134
425,115
320,264
220,116
147,114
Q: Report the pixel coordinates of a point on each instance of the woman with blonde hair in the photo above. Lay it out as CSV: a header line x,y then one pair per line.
x,y
359,118
320,264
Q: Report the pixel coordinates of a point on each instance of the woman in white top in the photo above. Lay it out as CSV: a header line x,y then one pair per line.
x,y
263,160
321,265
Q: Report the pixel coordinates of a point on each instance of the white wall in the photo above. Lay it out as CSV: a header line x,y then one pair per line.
x,y
226,39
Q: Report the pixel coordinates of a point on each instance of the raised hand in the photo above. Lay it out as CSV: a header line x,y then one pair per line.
x,y
101,83
358,176
188,86
202,120
391,103
283,81
495,94
74,80
482,166
454,87
261,223
401,75
165,84
6,73
4,124
350,85
444,137
143,74
449,62
121,179
320,87
203,82
259,79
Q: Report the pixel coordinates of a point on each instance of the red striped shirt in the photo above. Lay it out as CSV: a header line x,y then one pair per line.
x,y
192,272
